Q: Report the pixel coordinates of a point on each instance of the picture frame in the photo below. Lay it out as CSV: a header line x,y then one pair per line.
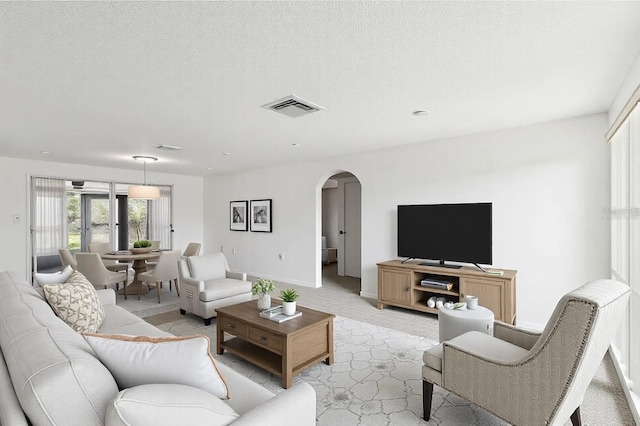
x,y
261,215
238,212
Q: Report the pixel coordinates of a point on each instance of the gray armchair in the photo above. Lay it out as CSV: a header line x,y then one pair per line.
x,y
530,378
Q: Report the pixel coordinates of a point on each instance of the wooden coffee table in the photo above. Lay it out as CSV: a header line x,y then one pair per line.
x,y
284,349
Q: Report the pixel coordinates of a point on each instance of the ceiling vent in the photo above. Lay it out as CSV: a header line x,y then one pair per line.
x,y
169,147
293,106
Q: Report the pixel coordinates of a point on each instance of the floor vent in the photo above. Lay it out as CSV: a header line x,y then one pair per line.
x,y
293,106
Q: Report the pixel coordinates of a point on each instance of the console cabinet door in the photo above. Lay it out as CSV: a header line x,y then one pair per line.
x,y
490,293
394,286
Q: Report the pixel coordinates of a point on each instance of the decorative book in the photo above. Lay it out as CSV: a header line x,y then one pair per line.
x,y
430,282
282,317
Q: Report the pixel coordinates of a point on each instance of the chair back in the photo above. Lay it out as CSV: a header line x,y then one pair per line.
x,y
193,249
102,248
574,342
155,244
91,266
67,258
207,267
167,267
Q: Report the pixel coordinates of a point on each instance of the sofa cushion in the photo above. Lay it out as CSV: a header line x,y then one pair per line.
x,y
140,360
170,405
76,303
208,267
54,278
56,376
119,321
223,288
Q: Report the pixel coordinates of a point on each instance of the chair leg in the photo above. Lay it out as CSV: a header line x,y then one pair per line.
x,y
207,321
126,282
576,420
427,394
158,284
183,311
139,287
175,280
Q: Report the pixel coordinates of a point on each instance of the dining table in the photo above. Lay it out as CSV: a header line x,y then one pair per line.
x,y
139,265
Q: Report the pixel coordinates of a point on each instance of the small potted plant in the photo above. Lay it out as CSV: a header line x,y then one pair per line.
x,y
289,297
141,246
262,288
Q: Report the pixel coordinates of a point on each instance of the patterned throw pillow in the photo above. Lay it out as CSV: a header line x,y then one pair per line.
x,y
76,303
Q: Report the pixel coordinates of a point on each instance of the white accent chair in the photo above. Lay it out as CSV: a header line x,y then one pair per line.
x,y
166,270
528,378
206,283
91,266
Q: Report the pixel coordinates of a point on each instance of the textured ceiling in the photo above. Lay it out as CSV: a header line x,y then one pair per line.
x,y
98,82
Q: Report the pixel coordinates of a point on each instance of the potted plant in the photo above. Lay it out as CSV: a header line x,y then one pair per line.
x,y
141,246
262,288
289,297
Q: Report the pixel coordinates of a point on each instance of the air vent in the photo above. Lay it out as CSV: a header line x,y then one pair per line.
x,y
77,184
169,147
293,106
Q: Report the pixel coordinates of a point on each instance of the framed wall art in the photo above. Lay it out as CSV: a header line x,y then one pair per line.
x,y
238,215
261,215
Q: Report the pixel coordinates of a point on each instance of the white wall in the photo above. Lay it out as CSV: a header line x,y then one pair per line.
x,y
549,184
14,250
630,83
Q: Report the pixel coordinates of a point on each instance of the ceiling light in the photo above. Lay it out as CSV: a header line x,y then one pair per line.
x,y
144,191
209,168
421,112
295,144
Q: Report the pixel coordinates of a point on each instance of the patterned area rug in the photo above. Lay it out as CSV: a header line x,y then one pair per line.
x,y
375,379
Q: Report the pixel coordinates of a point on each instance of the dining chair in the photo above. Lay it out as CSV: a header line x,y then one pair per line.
x,y
155,244
91,266
165,270
67,258
112,265
193,249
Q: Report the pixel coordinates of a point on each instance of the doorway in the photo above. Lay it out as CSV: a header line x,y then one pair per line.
x,y
341,231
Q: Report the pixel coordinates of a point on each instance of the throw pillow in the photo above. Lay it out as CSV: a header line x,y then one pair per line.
x,y
55,278
145,360
76,303
170,405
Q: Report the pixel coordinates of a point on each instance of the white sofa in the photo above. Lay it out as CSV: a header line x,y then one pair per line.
x,y
206,283
49,375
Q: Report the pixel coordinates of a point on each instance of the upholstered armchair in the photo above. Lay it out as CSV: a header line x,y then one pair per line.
x,y
206,283
530,378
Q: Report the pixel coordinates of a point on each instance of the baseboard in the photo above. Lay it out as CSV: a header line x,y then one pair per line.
x,y
368,295
633,399
530,326
252,276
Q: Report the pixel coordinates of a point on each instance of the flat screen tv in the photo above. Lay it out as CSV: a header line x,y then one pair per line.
x,y
446,232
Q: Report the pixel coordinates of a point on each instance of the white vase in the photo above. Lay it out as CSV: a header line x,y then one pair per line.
x,y
288,308
264,301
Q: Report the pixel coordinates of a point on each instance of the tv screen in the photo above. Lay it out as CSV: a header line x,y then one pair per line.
x,y
446,232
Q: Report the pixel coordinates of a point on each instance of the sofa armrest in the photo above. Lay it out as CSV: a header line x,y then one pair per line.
x,y
301,396
107,296
516,336
242,276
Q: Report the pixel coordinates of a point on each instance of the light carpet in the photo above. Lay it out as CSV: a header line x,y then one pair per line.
x,y
375,379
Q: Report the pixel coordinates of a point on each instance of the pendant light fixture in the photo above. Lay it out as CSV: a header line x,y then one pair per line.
x,y
144,191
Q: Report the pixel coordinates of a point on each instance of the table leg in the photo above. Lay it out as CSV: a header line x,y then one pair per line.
x,y
219,336
329,359
139,265
287,365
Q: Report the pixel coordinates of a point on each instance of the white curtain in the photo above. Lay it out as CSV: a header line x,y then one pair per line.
x,y
49,215
160,224
625,236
